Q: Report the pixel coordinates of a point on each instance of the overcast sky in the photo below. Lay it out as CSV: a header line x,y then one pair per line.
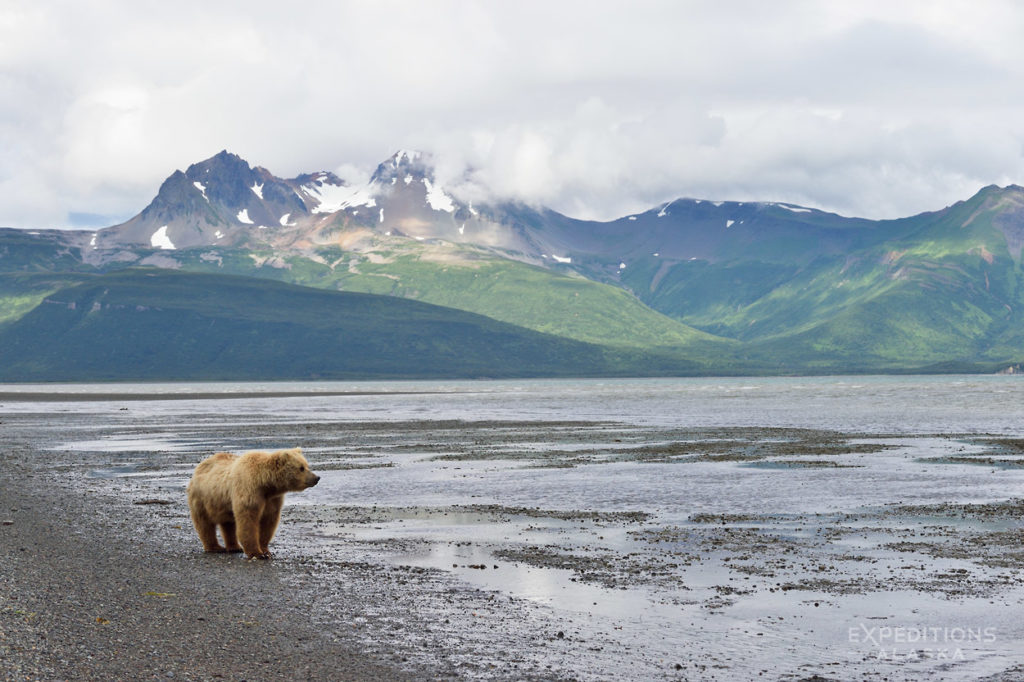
x,y
875,109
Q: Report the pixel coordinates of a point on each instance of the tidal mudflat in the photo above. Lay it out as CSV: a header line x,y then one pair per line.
x,y
857,528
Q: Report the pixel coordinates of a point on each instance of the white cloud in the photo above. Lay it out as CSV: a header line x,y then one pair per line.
x,y
868,108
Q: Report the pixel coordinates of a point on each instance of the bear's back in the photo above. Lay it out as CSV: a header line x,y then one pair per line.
x,y
217,461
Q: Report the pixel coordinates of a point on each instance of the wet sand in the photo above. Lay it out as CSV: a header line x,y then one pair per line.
x,y
103,578
93,587
102,572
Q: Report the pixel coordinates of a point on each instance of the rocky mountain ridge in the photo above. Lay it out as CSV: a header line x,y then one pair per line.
x,y
766,286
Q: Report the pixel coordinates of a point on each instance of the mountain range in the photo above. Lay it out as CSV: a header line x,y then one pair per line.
x,y
235,262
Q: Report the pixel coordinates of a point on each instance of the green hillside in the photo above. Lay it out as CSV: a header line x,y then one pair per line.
x,y
156,324
560,303
908,326
21,292
776,289
942,292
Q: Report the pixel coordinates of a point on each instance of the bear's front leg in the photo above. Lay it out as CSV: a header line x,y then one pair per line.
x,y
247,527
268,522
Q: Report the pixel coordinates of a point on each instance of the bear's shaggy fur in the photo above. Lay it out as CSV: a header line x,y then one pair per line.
x,y
243,494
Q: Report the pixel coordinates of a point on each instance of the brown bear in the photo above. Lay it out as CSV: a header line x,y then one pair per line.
x,y
243,494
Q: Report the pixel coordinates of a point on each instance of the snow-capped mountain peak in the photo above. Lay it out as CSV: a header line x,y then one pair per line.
x,y
324,192
223,201
401,165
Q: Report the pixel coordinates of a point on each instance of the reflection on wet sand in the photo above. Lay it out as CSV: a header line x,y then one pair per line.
x,y
656,545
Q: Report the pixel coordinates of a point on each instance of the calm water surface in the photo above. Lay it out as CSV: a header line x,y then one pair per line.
x,y
970,404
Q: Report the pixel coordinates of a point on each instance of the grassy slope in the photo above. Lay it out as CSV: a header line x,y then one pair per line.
x,y
900,329
931,313
21,292
945,293
155,324
945,289
539,299
566,305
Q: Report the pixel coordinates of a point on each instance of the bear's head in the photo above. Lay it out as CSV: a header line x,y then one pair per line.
x,y
294,470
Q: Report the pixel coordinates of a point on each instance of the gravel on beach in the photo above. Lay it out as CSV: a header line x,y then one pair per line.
x,y
88,592
102,577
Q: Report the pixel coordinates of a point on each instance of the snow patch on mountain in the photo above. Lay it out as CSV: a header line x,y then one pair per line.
x,y
257,189
243,217
284,220
794,209
438,200
202,188
331,197
405,154
160,240
359,197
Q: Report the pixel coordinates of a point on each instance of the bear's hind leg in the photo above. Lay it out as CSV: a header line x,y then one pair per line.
x,y
230,539
207,531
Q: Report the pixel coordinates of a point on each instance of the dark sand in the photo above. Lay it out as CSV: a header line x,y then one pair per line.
x,y
102,577
89,590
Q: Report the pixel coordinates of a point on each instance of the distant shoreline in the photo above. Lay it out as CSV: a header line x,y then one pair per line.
x,y
61,397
